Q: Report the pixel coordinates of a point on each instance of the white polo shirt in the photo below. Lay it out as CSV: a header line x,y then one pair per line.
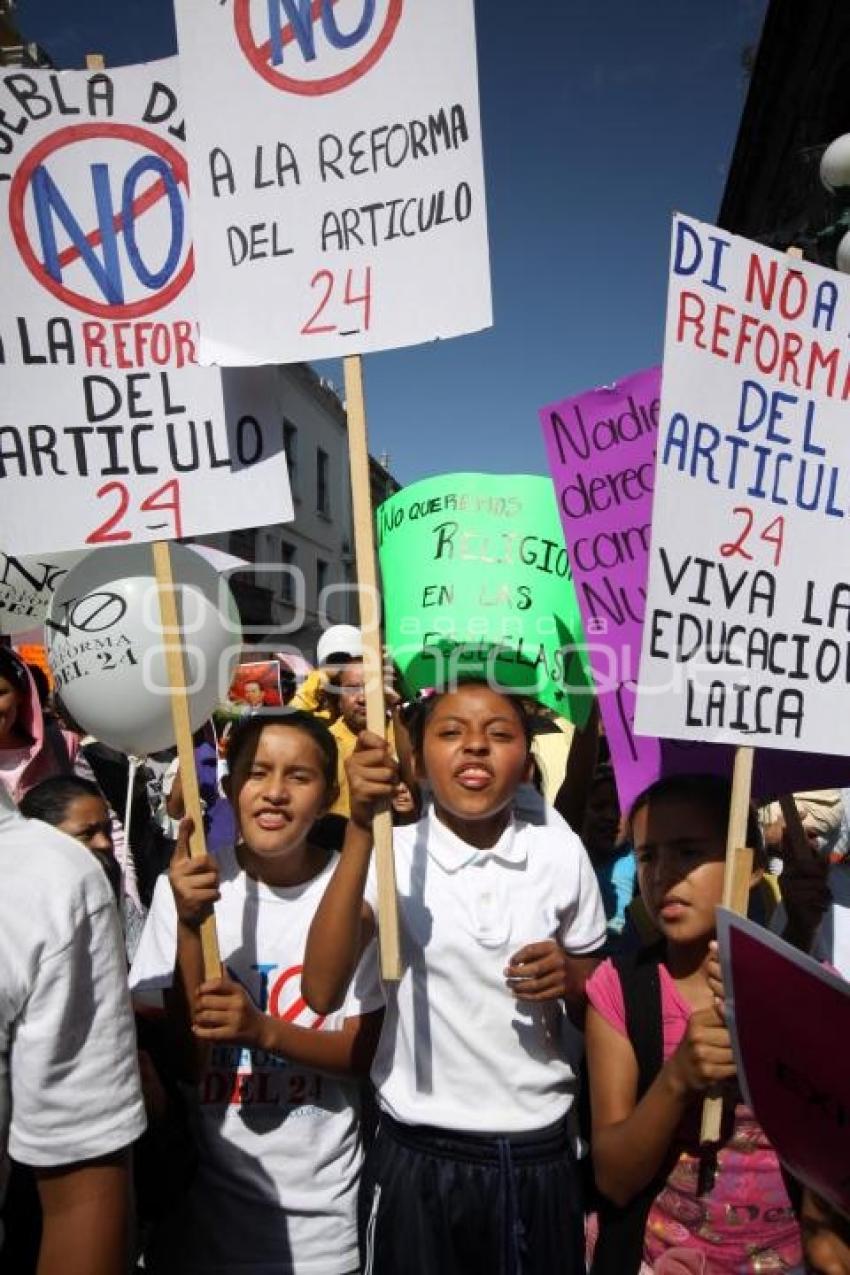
x,y
457,1050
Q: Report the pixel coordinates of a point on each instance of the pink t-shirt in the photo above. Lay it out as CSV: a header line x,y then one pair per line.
x,y
745,1223
13,763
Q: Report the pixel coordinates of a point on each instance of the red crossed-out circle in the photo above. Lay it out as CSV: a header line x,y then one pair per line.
x,y
298,1006
258,54
17,195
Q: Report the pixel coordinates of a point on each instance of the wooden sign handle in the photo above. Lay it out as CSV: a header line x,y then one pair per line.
x,y
173,644
736,890
370,623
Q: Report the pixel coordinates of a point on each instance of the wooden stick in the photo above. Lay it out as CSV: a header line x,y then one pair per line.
x,y
370,622
173,643
742,783
736,889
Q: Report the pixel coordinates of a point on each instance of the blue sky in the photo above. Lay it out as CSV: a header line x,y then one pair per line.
x,y
600,118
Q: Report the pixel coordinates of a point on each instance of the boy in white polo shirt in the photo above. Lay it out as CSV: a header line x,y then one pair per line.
x,y
473,1167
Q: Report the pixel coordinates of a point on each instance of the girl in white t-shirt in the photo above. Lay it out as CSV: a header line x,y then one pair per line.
x,y
277,1120
473,1166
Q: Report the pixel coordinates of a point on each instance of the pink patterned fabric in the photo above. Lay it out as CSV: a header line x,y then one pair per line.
x,y
745,1223
681,1261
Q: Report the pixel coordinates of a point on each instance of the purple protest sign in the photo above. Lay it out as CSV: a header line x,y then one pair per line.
x,y
601,451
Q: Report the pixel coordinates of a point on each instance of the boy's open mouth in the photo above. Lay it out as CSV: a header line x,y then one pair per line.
x,y
271,820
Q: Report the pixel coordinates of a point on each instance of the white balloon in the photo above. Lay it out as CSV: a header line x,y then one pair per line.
x,y
27,585
842,254
107,653
835,164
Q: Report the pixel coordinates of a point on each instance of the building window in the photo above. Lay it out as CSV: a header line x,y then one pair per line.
x,y
290,447
287,575
243,544
321,577
322,481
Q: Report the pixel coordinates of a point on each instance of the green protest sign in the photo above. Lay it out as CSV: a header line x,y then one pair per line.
x,y
477,583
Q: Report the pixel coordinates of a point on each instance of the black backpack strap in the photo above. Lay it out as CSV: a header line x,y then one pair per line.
x,y
641,984
619,1248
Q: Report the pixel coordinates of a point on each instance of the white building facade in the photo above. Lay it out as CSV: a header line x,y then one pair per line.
x,y
302,574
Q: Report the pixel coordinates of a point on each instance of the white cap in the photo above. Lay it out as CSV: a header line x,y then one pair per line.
x,y
340,639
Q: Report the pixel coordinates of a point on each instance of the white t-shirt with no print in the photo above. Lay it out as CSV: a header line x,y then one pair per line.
x,y
457,1050
69,1081
279,1146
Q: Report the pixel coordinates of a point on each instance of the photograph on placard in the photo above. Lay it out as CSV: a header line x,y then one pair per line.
x,y
256,685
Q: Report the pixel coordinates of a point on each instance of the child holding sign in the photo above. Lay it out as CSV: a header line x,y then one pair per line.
x,y
280,1149
473,1167
656,1042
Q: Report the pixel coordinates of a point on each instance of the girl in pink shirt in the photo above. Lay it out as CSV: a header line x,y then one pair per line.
x,y
656,1042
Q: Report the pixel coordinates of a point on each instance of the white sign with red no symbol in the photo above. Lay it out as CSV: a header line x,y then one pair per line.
x,y
337,178
110,430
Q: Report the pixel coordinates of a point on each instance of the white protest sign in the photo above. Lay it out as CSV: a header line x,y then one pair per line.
x,y
337,177
110,431
27,586
747,631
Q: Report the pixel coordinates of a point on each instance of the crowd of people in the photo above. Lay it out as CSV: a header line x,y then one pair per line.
x,y
525,1100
